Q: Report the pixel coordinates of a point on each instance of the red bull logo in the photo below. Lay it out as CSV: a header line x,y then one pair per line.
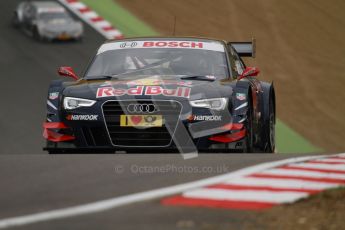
x,y
143,90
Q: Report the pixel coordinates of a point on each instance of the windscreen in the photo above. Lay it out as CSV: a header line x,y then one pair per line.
x,y
177,58
50,16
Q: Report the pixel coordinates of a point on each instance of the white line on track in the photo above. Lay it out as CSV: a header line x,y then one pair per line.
x,y
107,204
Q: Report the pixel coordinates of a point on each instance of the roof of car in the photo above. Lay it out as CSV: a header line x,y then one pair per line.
x,y
191,38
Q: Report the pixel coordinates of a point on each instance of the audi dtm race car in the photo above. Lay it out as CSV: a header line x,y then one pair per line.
x,y
163,94
47,20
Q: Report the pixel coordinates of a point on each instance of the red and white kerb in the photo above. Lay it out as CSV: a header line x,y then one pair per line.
x,y
270,187
92,18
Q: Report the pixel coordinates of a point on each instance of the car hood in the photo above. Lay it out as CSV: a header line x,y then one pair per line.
x,y
159,88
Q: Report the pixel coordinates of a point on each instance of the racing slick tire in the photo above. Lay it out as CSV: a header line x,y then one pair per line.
x,y
36,34
270,129
248,148
269,122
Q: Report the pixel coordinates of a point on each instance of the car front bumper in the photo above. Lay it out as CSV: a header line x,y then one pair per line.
x,y
99,130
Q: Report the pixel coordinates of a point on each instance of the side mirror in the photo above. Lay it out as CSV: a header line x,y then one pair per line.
x,y
249,72
67,72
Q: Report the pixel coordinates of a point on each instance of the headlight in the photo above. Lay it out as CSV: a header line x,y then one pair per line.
x,y
73,102
214,103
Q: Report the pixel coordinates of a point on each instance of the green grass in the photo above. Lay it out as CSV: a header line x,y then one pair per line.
x,y
288,141
123,20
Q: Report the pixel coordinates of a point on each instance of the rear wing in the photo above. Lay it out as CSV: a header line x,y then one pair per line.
x,y
244,49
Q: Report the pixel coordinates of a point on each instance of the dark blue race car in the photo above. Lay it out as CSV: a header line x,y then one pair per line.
x,y
163,94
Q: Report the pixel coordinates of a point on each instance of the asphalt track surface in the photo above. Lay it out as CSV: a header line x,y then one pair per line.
x,y
27,67
32,181
38,183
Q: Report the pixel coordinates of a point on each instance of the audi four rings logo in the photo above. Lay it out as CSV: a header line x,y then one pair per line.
x,y
142,108
128,44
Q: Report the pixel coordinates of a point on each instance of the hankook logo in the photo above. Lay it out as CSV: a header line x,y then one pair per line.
x,y
205,118
142,108
82,117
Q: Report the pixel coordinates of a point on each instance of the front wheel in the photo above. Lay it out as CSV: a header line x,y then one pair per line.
x,y
36,34
249,129
270,129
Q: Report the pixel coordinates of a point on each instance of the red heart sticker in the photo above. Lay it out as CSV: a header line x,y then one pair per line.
x,y
136,119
